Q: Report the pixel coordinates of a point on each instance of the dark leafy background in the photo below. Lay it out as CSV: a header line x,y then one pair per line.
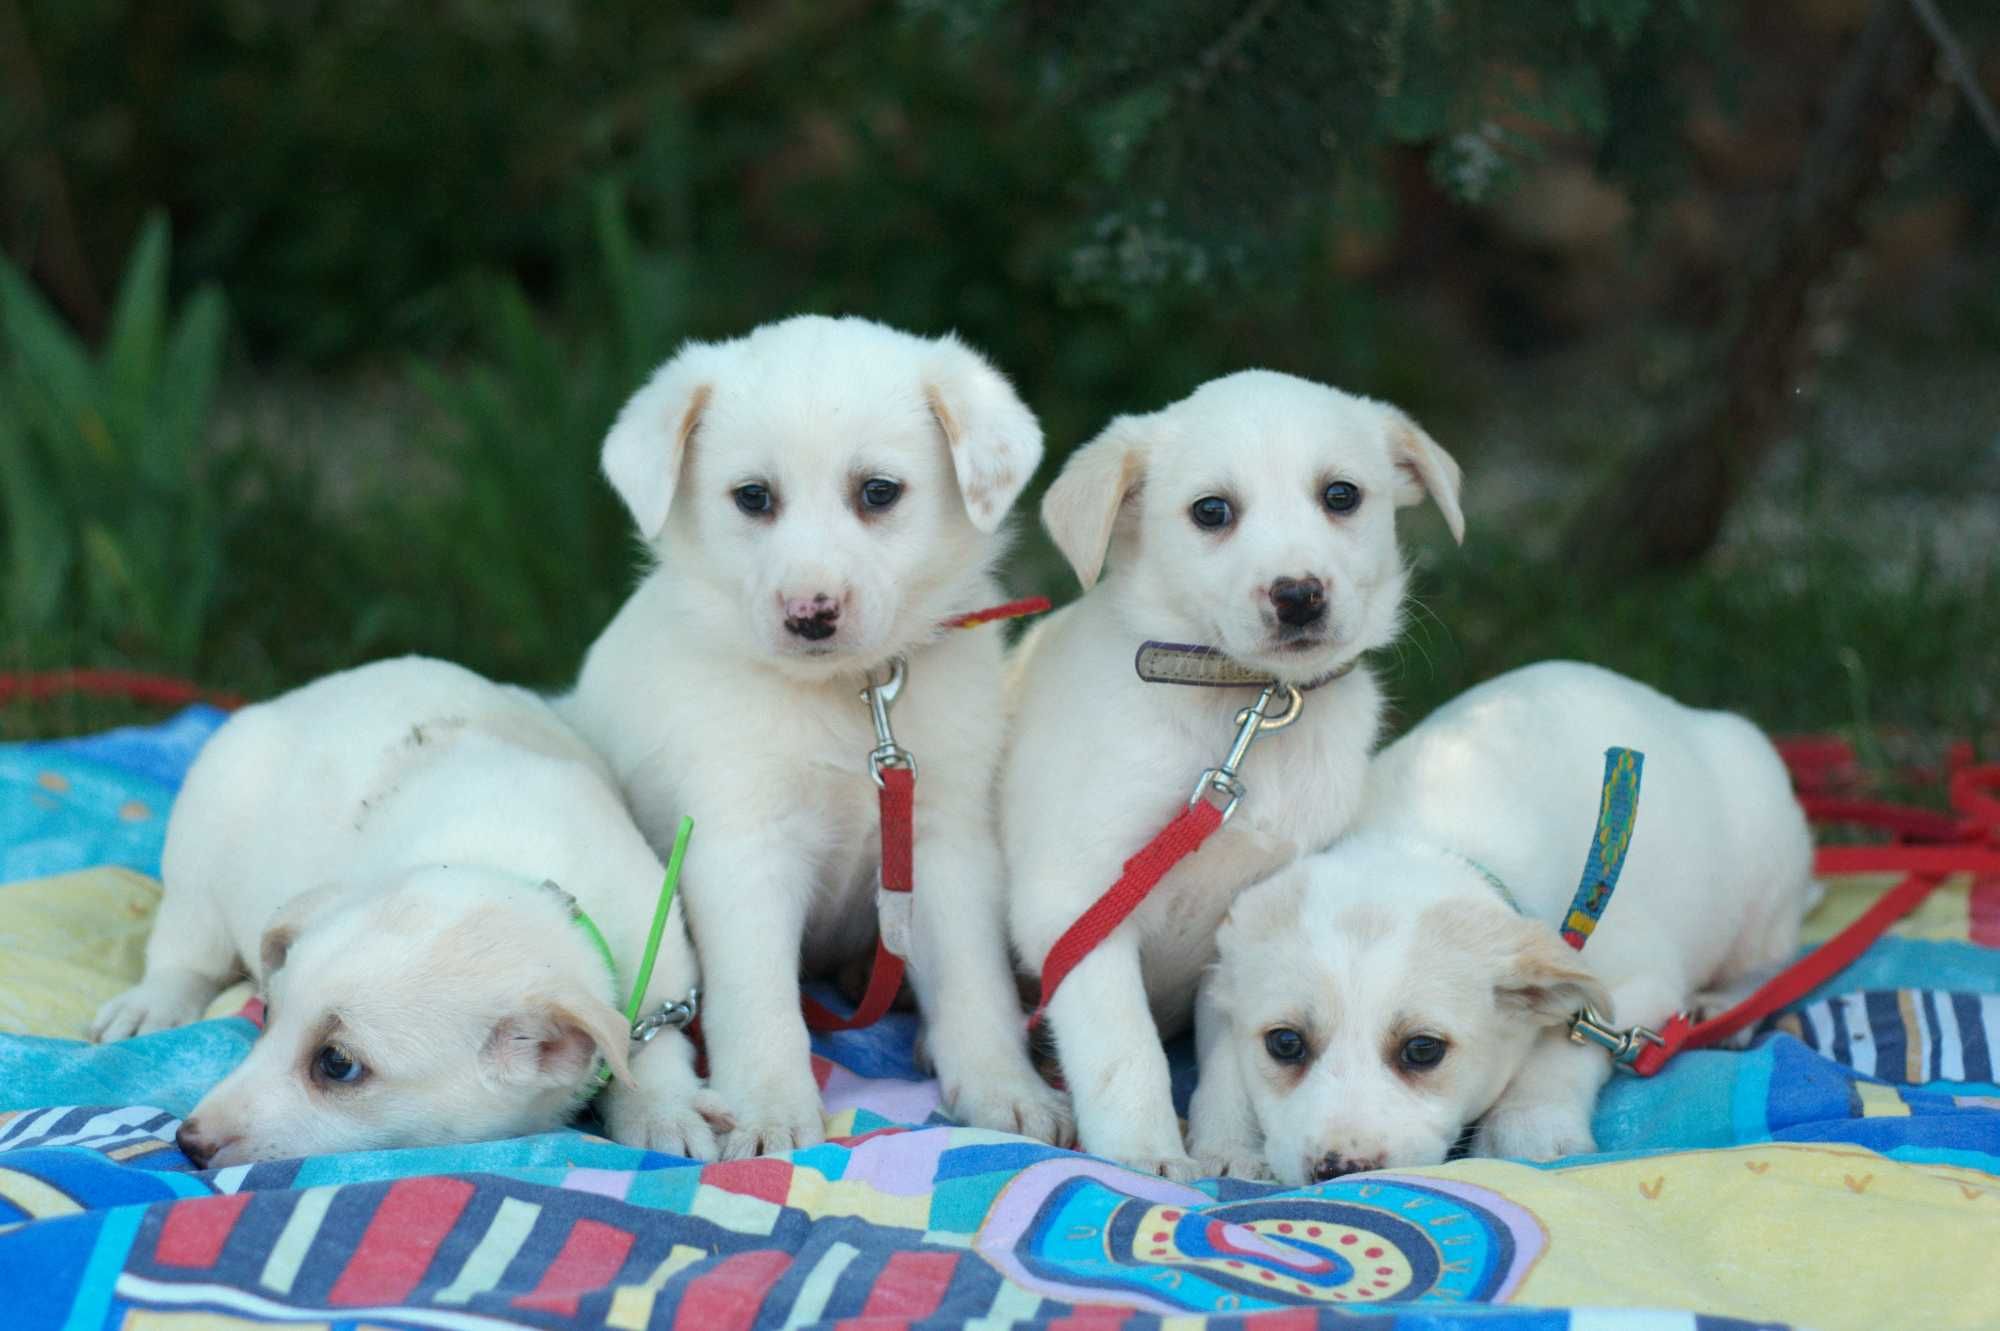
x,y
315,313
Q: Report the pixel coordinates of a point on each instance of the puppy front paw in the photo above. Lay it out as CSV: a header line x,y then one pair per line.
x,y
693,1127
1174,1168
157,1003
1233,1160
774,1120
1025,1106
1153,1144
1534,1132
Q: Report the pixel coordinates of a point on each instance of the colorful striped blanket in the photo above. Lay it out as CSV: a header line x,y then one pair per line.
x,y
1842,1172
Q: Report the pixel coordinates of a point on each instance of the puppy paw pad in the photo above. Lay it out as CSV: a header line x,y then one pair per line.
x,y
770,1138
1535,1134
1031,1111
1173,1168
1233,1164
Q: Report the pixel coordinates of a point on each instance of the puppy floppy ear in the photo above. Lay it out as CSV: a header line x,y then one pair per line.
x,y
556,1042
1081,508
1263,913
995,441
1542,977
1423,468
1268,908
287,923
644,452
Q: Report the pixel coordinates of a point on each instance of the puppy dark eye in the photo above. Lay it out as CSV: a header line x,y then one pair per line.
x,y
754,499
879,493
1285,1045
1211,511
334,1065
1342,497
1423,1051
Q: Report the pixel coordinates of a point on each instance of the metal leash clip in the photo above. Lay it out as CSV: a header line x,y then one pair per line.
x,y
1586,1027
674,1015
879,697
1251,722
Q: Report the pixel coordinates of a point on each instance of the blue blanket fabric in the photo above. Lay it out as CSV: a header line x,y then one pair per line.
x,y
94,1218
77,803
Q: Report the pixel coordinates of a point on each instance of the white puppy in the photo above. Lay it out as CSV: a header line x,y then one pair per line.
x,y
1372,1001
822,494
380,850
1256,517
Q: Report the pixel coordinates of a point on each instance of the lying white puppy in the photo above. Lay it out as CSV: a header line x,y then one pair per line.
x,y
822,495
381,850
1256,518
1372,1001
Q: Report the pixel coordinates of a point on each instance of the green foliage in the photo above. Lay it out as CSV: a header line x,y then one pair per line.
x,y
110,504
356,173
530,537
522,206
352,169
1221,135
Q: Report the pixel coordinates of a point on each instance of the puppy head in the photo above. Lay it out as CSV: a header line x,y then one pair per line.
x,y
450,1005
1374,1007
1257,516
829,487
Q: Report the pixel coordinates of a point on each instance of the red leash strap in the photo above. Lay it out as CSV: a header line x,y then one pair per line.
x,y
895,772
1027,605
1969,843
152,690
898,806
1176,841
1143,872
1791,984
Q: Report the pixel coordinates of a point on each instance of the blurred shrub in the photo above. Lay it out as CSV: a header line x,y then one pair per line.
x,y
353,170
348,168
1225,144
111,510
527,554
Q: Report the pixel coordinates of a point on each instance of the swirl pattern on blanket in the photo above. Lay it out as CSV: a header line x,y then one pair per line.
x,y
1082,1231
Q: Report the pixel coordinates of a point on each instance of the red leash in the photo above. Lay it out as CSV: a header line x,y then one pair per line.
x,y
1177,840
897,799
895,771
972,619
1943,845
151,690
1180,838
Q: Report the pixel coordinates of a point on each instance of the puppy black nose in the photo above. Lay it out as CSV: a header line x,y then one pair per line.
x,y
1299,601
812,618
1332,1165
196,1147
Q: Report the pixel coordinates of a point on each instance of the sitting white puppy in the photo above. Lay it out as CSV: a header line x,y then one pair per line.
x,y
1255,519
822,496
381,850
1372,1001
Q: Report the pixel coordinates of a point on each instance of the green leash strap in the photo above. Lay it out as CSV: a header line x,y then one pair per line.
x,y
672,880
676,1013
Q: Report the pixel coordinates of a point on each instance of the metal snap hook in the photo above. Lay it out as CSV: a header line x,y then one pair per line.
x,y
1295,703
887,753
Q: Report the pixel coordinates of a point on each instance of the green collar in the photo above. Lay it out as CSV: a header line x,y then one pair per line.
x,y
676,1012
596,936
1493,880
